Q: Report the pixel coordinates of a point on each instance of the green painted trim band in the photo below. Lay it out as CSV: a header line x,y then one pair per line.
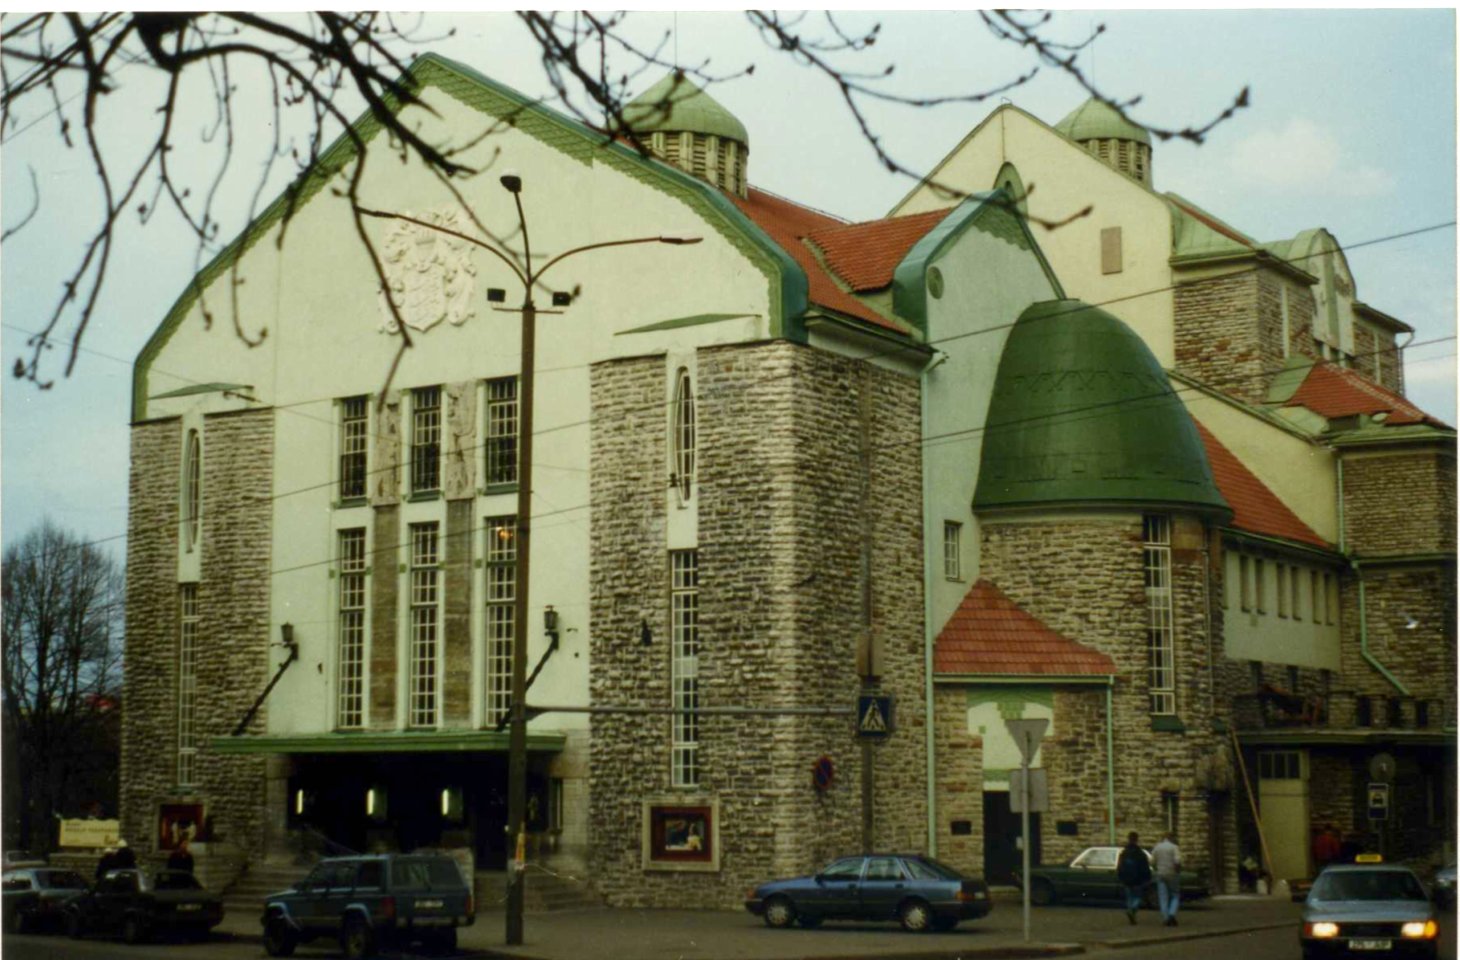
x,y
1290,546
1259,257
1402,559
787,282
1025,679
825,317
1409,433
202,388
693,321
446,741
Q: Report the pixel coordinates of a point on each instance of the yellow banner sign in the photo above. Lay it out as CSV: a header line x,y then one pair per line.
x,y
89,833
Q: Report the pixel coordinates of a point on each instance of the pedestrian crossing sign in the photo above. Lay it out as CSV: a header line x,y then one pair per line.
x,y
874,716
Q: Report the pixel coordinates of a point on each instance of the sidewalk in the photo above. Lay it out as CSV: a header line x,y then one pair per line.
x,y
736,935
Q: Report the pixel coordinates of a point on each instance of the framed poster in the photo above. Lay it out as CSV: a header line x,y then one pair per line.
x,y
682,834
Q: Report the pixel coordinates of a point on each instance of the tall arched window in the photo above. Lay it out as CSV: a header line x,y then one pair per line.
x,y
684,434
192,489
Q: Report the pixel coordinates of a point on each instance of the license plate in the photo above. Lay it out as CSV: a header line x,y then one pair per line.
x,y
430,904
1371,944
190,906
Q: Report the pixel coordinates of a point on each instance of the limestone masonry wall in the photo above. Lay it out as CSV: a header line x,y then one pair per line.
x,y
783,514
1401,503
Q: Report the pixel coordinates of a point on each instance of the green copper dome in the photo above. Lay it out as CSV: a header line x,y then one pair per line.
x,y
1083,413
1094,120
676,104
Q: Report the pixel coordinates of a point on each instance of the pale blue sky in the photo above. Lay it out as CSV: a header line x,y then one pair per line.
x,y
1352,127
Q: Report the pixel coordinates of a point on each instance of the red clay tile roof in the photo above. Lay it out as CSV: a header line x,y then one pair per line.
x,y
865,254
1255,508
988,635
1332,391
787,223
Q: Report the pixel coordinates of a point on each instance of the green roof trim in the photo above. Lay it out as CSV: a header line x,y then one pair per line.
x,y
993,212
786,280
1082,413
1372,434
1097,120
677,103
694,321
443,741
1295,370
202,388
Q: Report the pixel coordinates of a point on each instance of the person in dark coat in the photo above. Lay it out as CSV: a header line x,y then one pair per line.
x,y
107,862
181,858
1133,870
126,858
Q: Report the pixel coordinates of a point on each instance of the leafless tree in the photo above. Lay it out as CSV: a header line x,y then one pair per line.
x,y
62,640
66,68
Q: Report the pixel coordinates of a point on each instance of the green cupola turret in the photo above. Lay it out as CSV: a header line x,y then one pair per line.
x,y
1082,413
685,126
1110,137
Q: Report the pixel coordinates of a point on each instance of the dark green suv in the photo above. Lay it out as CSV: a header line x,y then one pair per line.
x,y
371,900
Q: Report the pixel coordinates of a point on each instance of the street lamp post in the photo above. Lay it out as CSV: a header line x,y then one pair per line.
x,y
517,738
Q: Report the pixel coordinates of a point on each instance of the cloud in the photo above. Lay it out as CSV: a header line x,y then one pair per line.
x,y
1302,156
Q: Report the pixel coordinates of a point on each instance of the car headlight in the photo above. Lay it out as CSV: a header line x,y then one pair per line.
x,y
1321,930
1417,929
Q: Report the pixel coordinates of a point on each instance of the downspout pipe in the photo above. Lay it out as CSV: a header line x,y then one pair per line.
x,y
1364,652
930,739
1110,755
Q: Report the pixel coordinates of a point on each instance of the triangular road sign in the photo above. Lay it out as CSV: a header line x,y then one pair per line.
x,y
872,720
1027,734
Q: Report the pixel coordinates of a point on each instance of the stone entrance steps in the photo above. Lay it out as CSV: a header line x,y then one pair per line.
x,y
246,896
547,890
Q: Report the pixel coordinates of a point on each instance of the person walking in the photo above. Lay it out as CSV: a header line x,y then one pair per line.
x,y
1133,870
1166,858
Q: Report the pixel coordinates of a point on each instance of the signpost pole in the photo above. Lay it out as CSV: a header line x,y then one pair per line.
x,y
1024,827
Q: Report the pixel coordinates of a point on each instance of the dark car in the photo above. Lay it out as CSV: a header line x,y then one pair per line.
x,y
1369,910
141,905
371,900
35,897
1091,876
921,893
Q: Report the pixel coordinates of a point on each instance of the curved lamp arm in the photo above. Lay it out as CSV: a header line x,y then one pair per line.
x,y
676,241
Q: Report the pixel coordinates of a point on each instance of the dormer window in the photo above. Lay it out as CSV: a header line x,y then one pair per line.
x,y
684,435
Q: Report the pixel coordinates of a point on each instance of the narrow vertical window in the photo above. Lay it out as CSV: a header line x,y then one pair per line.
x,y
1330,600
684,680
426,440
1244,577
354,441
1160,633
187,683
1259,591
1315,590
502,430
350,705
192,490
952,550
1282,590
425,619
1171,812
501,557
1297,602
684,435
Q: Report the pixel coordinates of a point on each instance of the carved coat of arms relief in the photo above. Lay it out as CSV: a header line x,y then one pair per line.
x,y
431,274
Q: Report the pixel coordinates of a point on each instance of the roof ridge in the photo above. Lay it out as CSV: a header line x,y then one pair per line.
x,y
841,221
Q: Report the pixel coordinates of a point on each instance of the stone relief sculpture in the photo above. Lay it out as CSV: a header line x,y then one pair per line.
x,y
386,482
431,274
459,477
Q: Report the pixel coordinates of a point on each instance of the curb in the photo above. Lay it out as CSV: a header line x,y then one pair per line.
x,y
1130,942
1013,951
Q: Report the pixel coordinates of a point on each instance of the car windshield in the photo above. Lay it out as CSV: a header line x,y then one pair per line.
x,y
175,881
925,869
425,874
62,880
1367,885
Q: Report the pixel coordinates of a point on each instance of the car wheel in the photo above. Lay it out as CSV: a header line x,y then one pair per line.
x,y
279,940
357,940
916,916
133,929
944,924
75,927
810,923
779,913
1041,893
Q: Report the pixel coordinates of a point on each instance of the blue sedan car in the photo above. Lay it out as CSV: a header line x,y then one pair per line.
x,y
922,894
